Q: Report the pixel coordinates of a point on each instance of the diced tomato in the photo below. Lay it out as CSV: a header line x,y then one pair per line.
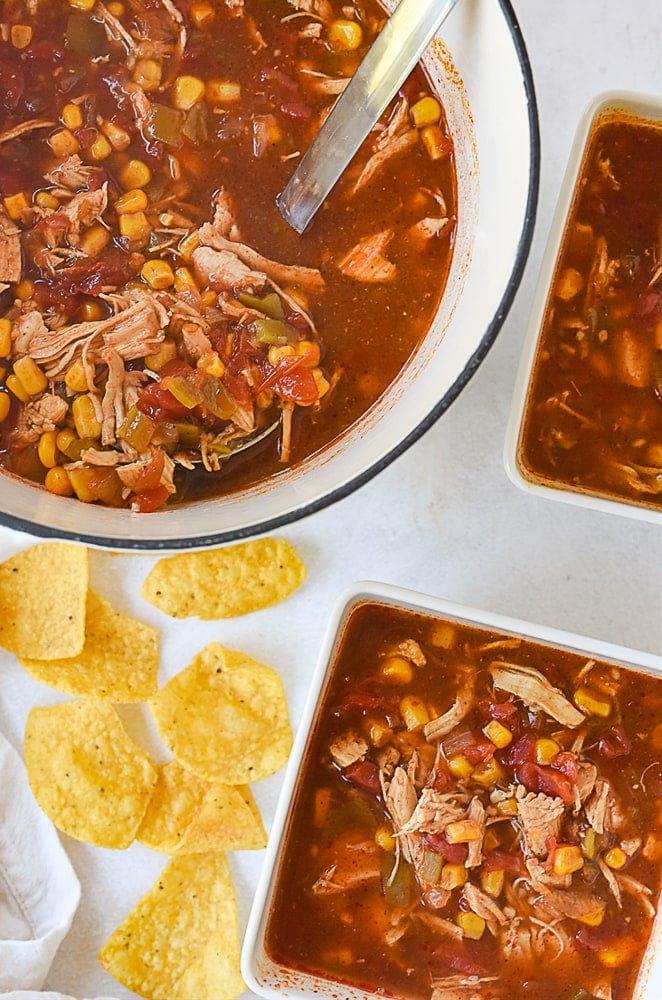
x,y
150,476
358,701
176,367
159,404
471,958
297,385
501,860
480,750
365,774
614,743
500,710
150,500
566,763
536,778
454,854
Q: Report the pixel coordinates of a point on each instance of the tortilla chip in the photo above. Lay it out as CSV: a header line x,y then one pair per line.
x,y
225,717
120,658
87,775
181,941
187,815
42,601
224,583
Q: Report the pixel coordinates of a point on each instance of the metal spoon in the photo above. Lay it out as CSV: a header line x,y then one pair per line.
x,y
383,70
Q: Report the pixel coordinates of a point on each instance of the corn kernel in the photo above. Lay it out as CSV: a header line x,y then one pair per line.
x,y
117,136
593,919
321,381
147,73
63,143
570,283
567,859
188,244
435,142
443,635
85,420
452,876
187,91
345,35
5,337
94,239
427,111
57,482
222,91
75,378
616,858
471,924
507,807
209,297
492,882
463,831
384,839
498,734
491,840
5,405
116,8
184,281
202,13
414,713
379,734
25,290
459,766
488,773
15,386
591,705
158,274
397,670
90,312
167,351
131,201
82,4
31,376
100,148
47,449
46,200
278,351
546,750
65,438
211,364
135,227
72,116
618,953
15,205
136,174
20,35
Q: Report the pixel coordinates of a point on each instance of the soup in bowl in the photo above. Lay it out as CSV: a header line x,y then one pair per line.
x,y
170,346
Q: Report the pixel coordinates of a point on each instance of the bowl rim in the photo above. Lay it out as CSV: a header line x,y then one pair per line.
x,y
640,105
423,603
299,511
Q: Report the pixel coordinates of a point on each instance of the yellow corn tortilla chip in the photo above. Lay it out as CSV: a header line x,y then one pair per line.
x,y
120,658
181,941
43,591
225,717
224,583
85,772
187,815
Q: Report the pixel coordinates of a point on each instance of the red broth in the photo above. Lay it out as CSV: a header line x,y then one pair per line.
x,y
530,846
156,312
593,420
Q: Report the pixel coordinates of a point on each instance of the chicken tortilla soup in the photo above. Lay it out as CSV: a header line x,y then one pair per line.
x,y
164,335
477,817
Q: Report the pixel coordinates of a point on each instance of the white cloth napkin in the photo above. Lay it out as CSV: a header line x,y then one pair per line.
x,y
39,890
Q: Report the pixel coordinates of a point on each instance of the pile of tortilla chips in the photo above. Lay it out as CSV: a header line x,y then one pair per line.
x,y
224,719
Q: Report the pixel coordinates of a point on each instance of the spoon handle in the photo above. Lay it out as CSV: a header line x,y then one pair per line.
x,y
384,68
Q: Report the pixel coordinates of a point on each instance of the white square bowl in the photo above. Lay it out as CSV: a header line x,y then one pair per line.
x,y
268,978
643,106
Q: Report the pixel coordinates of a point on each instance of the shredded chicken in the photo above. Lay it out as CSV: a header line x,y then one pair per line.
x,y
24,128
348,749
36,417
304,277
10,249
444,724
539,817
535,691
366,261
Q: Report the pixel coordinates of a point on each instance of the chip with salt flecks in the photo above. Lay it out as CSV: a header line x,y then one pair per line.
x,y
224,583
225,717
86,773
43,591
181,941
188,815
120,658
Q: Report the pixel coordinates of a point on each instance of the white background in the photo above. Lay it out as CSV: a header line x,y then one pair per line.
x,y
443,519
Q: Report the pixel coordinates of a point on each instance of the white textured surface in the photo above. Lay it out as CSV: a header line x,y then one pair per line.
x,y
443,519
